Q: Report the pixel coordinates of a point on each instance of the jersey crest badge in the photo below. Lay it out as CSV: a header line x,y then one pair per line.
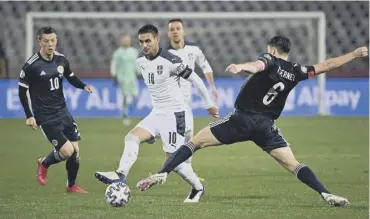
x,y
60,69
159,69
190,56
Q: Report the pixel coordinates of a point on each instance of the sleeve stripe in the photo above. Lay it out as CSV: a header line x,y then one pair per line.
x,y
23,85
72,74
33,58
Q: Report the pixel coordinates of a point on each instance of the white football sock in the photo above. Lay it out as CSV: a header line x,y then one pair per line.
x,y
129,155
186,172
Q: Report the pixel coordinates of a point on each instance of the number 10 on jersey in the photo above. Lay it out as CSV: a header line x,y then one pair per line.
x,y
54,83
151,78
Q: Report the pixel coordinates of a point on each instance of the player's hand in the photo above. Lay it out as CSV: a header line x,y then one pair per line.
x,y
361,52
89,88
214,93
234,68
31,122
213,111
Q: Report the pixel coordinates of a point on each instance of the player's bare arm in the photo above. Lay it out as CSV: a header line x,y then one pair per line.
x,y
336,62
207,71
250,67
211,83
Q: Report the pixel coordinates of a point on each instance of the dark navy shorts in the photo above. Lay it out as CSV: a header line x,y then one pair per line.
x,y
240,126
60,130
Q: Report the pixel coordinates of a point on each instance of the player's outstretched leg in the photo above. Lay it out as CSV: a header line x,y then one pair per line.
x,y
286,158
44,163
204,138
129,157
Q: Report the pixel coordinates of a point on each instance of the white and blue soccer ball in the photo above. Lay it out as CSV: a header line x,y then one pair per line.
x,y
117,194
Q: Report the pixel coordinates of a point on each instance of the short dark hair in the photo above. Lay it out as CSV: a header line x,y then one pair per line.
x,y
176,20
281,42
149,28
45,30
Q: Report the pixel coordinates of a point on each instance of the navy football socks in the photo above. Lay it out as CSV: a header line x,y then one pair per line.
x,y
181,155
305,175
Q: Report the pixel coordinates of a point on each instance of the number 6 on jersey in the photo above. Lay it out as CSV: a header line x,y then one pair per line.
x,y
273,92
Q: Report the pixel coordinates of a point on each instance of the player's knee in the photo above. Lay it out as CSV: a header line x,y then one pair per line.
x,y
76,148
198,142
66,150
138,135
188,135
130,137
131,146
201,139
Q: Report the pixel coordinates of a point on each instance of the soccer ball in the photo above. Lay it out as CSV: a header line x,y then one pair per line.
x,y
117,194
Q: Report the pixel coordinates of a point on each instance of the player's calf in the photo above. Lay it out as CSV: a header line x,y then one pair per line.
x,y
286,158
203,138
53,158
72,167
130,153
128,158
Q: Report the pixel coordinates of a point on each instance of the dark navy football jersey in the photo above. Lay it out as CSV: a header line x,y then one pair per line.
x,y
266,92
44,79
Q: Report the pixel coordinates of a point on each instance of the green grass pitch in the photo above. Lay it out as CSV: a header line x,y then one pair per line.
x,y
241,181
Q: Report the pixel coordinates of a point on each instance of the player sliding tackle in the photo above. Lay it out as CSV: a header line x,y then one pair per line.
x,y
260,102
169,118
